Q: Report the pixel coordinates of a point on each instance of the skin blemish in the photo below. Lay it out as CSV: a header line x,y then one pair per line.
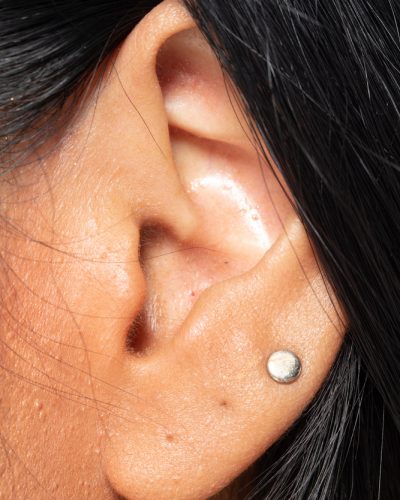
x,y
223,403
38,405
169,437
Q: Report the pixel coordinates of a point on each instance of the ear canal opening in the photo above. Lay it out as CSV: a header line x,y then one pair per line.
x,y
137,336
144,328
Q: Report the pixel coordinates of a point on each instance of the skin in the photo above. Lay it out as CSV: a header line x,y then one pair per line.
x,y
150,264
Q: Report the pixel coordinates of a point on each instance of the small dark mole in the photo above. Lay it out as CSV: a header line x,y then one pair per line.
x,y
223,403
170,437
193,294
226,262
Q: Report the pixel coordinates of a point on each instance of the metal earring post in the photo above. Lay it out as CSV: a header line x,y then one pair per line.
x,y
284,366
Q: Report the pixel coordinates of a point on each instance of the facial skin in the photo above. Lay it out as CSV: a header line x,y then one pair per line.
x,y
150,264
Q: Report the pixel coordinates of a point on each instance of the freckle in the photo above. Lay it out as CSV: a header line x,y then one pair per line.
x,y
223,403
193,294
169,437
226,262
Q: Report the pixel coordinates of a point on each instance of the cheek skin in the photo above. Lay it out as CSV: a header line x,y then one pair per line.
x,y
71,282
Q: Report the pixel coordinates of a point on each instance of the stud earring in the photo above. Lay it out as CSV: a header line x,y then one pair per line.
x,y
284,366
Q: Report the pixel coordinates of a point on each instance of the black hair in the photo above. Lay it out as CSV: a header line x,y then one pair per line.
x,y
320,85
320,81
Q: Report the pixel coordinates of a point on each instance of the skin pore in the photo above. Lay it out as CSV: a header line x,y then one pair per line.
x,y
150,263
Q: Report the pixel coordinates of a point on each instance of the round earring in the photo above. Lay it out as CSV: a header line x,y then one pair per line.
x,y
284,366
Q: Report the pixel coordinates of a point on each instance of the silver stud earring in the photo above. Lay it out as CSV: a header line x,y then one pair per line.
x,y
284,366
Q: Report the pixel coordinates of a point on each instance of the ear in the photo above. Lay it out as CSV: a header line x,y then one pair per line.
x,y
226,274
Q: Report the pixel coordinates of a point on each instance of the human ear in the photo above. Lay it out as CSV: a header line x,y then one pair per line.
x,y
205,270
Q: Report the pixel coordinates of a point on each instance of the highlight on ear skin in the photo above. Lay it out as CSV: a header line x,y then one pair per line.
x,y
181,249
